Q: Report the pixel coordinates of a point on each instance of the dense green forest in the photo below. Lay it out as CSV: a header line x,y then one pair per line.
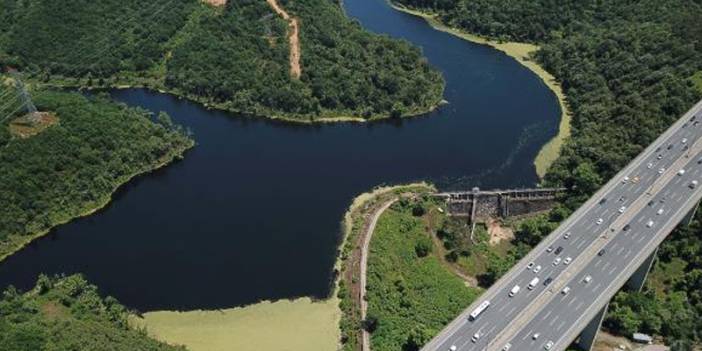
x,y
628,69
236,58
74,165
66,314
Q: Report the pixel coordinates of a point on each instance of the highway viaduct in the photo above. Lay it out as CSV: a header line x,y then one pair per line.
x,y
566,282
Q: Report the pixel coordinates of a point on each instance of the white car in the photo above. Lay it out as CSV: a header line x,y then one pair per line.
x,y
659,212
535,336
622,209
693,184
681,172
684,140
530,265
660,171
556,261
548,345
649,165
475,337
649,224
625,179
565,290
587,279
566,235
599,221
659,157
567,261
549,249
507,347
537,269
453,348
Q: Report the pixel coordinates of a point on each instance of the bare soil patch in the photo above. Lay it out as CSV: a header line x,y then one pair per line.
x,y
217,3
498,233
30,125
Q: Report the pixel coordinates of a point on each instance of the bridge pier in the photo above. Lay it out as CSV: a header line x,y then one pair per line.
x,y
589,334
637,280
690,215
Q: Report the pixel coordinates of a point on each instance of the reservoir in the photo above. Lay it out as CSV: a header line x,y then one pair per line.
x,y
253,211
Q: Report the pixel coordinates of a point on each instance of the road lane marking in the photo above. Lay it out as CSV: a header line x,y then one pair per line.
x,y
577,308
612,270
550,324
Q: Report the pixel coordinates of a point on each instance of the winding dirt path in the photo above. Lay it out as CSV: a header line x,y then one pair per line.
x,y
367,235
293,36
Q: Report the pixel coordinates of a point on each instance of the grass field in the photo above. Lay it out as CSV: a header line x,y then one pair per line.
x,y
284,325
697,80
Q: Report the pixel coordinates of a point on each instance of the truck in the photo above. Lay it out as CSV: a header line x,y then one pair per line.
x,y
476,312
532,283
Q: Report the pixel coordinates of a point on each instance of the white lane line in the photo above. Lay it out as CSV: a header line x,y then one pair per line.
x,y
527,334
612,270
596,287
628,253
606,265
547,314
511,311
571,301
640,220
621,249
577,308
550,324
597,263
502,308
641,239
560,326
581,244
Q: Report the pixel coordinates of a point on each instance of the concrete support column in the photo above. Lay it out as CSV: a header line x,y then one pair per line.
x,y
589,334
690,215
637,280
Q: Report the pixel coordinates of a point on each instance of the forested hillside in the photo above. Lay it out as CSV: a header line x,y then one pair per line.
x,y
629,69
236,57
73,166
65,314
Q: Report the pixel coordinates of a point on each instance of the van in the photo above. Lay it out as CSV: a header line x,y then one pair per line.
x,y
533,283
514,291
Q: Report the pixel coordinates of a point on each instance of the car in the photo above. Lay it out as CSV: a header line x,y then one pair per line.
x,y
650,203
658,149
556,261
587,279
649,165
684,125
625,180
635,179
566,235
695,123
626,227
684,140
559,250
601,253
535,336
567,261
453,348
599,221
548,345
681,172
699,162
649,224
659,157
604,199
659,212
549,249
670,146
530,265
661,170
537,269
507,347
622,209
548,281
622,198
693,184
565,290
532,283
475,337
514,291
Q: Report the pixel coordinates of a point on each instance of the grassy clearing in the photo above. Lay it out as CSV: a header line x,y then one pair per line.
x,y
411,295
664,273
522,53
697,81
284,325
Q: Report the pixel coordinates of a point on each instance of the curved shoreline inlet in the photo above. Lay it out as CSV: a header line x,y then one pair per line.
x,y
252,213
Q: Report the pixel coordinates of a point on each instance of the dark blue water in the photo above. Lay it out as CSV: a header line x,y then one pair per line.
x,y
253,211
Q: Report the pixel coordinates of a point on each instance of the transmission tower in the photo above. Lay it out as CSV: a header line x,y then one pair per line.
x,y
25,97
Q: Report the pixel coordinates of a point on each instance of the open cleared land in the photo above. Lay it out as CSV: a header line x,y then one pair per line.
x,y
30,125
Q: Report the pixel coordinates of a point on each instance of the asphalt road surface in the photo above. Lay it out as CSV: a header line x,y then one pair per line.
x,y
627,219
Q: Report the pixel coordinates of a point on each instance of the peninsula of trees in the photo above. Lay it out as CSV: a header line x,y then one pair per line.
x,y
234,57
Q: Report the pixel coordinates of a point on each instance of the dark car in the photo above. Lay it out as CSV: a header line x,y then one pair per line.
x,y
604,199
626,227
670,146
601,253
548,281
559,250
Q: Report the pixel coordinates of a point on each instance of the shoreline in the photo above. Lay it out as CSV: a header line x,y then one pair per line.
x,y
225,327
550,151
26,240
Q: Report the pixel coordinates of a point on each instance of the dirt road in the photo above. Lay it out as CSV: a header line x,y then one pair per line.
x,y
293,36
